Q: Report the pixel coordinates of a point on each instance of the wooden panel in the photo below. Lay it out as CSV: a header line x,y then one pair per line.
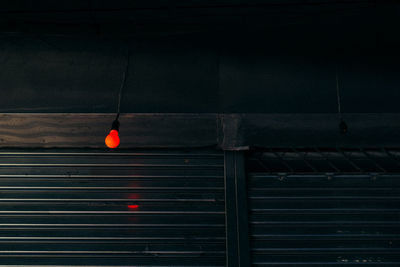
x,y
89,130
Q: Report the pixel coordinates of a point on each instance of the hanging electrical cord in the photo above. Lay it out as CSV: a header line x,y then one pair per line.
x,y
342,124
112,140
123,82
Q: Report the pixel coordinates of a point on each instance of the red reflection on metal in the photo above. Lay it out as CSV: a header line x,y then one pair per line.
x,y
133,206
134,196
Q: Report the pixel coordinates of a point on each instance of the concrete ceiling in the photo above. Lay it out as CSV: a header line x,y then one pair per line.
x,y
202,56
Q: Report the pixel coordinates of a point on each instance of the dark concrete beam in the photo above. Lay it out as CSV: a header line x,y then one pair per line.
x,y
316,130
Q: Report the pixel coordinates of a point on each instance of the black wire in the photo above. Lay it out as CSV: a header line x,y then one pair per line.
x,y
124,75
342,124
338,94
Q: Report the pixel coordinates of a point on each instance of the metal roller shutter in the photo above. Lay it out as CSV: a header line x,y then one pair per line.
x,y
324,207
125,208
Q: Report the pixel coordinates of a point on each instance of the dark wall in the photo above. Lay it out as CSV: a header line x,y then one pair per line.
x,y
259,57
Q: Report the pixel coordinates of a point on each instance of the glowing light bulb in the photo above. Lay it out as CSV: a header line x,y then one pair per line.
x,y
112,139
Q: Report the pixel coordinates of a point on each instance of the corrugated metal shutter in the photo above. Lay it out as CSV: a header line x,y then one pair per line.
x,y
302,214
126,208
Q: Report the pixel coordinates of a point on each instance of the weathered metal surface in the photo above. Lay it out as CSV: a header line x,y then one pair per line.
x,y
312,218
101,208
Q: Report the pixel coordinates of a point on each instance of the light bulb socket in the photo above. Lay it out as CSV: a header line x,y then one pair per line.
x,y
343,127
115,125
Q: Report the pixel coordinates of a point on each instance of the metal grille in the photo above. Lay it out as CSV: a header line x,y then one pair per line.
x,y
300,215
130,208
325,160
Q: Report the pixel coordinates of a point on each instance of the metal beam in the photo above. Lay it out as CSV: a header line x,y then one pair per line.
x,y
237,237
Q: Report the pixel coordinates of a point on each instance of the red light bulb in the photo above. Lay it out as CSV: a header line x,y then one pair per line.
x,y
112,139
